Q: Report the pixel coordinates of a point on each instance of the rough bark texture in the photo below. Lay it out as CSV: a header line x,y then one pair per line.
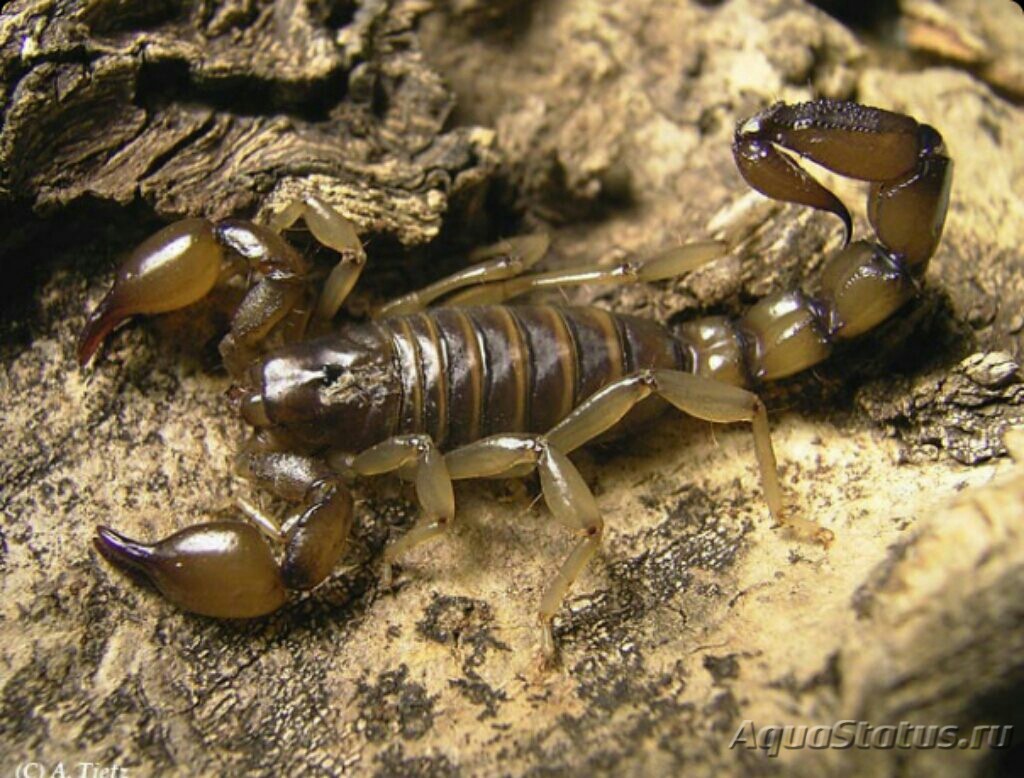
x,y
609,124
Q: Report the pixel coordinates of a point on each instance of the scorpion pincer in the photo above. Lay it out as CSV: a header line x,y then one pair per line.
x,y
475,388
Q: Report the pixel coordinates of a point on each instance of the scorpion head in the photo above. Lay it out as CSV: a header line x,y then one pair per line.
x,y
340,391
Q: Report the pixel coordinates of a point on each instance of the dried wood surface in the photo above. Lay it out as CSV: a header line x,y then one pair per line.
x,y
433,126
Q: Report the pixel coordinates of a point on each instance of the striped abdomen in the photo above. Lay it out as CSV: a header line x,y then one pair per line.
x,y
471,372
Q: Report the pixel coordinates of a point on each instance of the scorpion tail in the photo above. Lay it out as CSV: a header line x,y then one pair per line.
x,y
906,162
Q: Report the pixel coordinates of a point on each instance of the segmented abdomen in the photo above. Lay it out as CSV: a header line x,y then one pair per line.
x,y
471,372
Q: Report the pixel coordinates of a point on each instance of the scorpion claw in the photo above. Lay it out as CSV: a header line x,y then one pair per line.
x,y
99,324
223,569
175,267
318,538
777,176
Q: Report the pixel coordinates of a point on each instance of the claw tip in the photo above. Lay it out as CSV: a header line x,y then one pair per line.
x,y
97,327
120,550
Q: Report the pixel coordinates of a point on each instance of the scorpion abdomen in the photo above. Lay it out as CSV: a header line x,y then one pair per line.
x,y
471,372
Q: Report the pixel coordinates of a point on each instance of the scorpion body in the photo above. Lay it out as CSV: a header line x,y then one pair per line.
x,y
480,389
455,374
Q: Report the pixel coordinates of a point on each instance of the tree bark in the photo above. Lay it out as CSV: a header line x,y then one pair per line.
x,y
433,126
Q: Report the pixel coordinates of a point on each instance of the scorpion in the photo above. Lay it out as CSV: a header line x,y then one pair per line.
x,y
477,388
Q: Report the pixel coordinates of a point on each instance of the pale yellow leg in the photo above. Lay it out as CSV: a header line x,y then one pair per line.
x,y
505,259
433,488
667,264
565,491
334,231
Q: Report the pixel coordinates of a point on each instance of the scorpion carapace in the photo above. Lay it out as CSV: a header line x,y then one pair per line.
x,y
501,390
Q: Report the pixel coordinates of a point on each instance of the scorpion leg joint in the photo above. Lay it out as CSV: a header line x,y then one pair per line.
x,y
433,488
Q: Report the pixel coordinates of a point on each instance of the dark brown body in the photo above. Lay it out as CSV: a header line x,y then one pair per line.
x,y
458,374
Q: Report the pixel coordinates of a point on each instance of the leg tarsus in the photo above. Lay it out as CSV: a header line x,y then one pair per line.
x,y
549,653
425,530
806,529
554,595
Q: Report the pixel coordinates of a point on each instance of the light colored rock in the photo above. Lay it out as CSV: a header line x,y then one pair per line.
x,y
615,121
